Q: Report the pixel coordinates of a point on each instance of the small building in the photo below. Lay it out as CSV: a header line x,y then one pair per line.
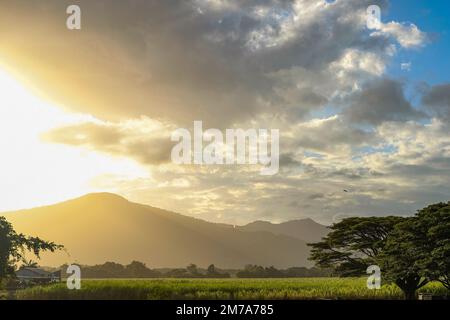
x,y
37,276
429,296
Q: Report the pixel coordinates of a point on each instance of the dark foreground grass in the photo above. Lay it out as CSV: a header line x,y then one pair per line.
x,y
301,288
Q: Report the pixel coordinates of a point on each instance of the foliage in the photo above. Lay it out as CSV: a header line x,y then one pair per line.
x,y
418,250
192,269
410,251
255,271
137,269
353,244
113,270
434,223
14,246
400,257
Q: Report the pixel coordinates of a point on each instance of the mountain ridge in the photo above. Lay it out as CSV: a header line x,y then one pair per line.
x,y
305,229
103,227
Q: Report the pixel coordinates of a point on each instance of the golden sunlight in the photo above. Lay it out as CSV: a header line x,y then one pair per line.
x,y
34,172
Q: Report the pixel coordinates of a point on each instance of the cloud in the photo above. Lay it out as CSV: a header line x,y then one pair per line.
x,y
329,135
185,60
437,98
145,141
406,66
380,101
408,36
419,154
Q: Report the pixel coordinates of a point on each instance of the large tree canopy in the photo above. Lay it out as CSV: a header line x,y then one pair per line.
x,y
14,246
353,244
399,260
434,221
418,250
410,251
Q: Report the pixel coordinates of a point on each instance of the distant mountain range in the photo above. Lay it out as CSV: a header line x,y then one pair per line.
x,y
106,227
306,229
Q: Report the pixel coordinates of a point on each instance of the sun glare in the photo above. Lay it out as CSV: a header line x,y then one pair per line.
x,y
34,172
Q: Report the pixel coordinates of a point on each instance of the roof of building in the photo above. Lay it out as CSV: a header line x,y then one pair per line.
x,y
29,272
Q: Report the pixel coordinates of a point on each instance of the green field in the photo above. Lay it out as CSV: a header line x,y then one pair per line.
x,y
299,288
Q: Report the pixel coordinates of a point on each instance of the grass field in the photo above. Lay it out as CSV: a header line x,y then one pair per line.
x,y
300,288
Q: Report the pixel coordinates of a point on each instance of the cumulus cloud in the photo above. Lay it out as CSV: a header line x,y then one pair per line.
x,y
408,36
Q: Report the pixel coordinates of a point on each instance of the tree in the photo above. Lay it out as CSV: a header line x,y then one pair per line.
x,y
13,247
390,242
401,256
30,264
112,269
434,259
192,269
353,244
211,270
251,271
137,269
410,251
418,250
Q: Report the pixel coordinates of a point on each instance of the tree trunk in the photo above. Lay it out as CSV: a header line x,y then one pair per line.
x,y
410,294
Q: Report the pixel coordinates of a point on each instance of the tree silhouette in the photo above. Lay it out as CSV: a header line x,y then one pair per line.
x,y
353,244
211,269
400,256
434,224
192,269
13,247
410,251
30,264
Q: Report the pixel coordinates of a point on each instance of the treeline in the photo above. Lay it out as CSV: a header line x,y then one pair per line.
x,y
136,269
192,271
254,271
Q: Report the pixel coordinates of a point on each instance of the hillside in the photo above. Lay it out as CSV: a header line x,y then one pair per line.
x,y
306,229
105,227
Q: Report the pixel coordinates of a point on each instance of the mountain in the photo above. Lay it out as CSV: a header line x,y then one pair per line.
x,y
105,227
306,229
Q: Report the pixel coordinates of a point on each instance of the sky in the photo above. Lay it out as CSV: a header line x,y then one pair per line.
x,y
358,109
